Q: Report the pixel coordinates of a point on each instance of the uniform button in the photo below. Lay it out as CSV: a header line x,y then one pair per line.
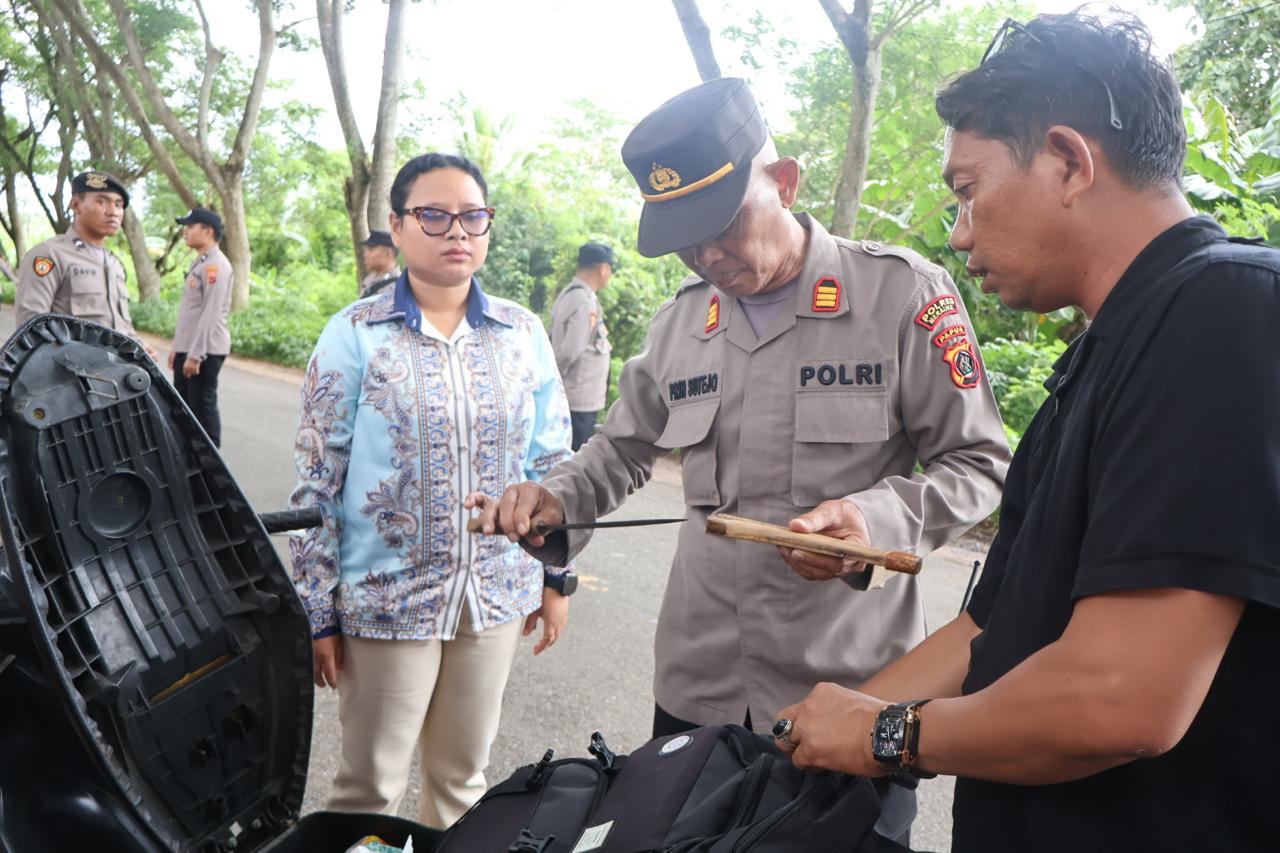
x,y
873,247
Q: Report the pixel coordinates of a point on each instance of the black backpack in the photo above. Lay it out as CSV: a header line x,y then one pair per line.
x,y
711,790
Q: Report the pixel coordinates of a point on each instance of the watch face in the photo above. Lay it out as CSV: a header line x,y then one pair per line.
x,y
889,735
570,584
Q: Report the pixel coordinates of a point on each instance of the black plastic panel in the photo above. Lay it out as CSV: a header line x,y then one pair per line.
x,y
156,600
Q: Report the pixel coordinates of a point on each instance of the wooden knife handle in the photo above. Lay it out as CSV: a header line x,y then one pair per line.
x,y
734,527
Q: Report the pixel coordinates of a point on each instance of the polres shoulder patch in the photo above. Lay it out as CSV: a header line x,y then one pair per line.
x,y
937,309
211,274
42,266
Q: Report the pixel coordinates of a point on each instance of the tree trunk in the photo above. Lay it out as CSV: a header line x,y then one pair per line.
x,y
383,168
698,35
857,151
235,239
17,233
144,269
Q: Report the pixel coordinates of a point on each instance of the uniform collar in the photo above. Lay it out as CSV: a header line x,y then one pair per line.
x,y
402,306
822,292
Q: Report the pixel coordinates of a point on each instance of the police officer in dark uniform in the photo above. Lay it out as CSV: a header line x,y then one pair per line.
x,y
75,273
380,259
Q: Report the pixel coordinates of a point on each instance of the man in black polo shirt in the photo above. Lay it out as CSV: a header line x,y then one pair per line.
x,y
1113,683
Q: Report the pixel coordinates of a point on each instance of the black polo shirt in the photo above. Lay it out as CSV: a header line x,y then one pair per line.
x,y
1155,462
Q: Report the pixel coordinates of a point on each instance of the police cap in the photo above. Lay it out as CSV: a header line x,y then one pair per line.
x,y
202,216
95,181
692,158
590,254
379,238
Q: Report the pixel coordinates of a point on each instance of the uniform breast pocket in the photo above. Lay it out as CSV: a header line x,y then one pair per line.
x,y
689,430
88,295
837,435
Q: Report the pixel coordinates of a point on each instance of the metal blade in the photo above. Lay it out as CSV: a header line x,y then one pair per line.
x,y
590,525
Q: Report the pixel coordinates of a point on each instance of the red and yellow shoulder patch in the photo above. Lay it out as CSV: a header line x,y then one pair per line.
x,y
42,266
211,274
713,314
826,295
960,355
933,313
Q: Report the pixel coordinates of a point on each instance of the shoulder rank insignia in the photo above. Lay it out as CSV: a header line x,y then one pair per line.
x,y
936,310
713,315
826,295
42,266
959,354
662,178
211,274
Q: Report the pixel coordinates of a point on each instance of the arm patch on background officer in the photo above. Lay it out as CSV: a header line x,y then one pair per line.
x,y
211,274
42,266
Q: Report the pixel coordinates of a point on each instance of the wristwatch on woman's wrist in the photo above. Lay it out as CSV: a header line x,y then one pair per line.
x,y
565,583
895,737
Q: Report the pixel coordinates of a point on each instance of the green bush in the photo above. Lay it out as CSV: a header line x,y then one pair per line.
x,y
1017,371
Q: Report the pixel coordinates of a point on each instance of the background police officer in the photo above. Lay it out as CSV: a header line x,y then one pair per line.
x,y
795,372
202,341
581,340
74,273
380,260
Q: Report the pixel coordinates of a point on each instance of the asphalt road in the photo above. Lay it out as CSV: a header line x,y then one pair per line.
x,y
599,676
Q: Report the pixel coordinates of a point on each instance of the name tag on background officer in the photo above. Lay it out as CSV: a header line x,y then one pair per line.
x,y
848,374
693,386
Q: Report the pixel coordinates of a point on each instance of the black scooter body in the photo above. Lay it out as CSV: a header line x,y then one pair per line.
x,y
155,661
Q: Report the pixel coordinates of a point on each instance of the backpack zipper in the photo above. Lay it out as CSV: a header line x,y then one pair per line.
x,y
753,786
773,820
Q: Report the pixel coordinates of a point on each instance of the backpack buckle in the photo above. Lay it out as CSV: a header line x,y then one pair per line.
x,y
606,756
539,774
530,843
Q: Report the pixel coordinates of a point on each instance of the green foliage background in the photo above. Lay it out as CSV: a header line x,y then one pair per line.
x,y
552,197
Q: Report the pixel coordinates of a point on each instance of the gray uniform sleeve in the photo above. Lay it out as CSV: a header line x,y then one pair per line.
x,y
955,427
571,328
615,462
35,291
213,307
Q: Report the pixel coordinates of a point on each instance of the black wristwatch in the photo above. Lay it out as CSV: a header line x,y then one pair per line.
x,y
565,584
896,737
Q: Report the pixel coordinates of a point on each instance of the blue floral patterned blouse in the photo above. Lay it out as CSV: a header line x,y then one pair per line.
x,y
397,426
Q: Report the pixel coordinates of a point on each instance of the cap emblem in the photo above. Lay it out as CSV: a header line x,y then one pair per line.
x,y
663,178
713,315
96,181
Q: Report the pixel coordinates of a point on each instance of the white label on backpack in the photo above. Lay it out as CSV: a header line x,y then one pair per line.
x,y
593,838
675,745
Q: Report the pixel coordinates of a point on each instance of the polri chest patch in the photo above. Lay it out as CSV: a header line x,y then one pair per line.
x,y
846,374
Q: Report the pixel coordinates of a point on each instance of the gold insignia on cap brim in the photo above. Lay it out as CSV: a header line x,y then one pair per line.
x,y
663,178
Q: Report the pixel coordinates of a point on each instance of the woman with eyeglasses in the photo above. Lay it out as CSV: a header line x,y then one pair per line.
x,y
414,399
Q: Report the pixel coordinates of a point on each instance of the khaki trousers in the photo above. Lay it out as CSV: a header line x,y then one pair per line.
x,y
446,696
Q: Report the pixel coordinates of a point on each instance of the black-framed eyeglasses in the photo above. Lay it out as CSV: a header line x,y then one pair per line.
x,y
436,222
1010,25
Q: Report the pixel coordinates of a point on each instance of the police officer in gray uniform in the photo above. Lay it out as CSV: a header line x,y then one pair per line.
x,y
380,259
798,374
580,339
74,273
202,341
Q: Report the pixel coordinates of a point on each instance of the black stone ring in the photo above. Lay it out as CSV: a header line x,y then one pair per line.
x,y
782,730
